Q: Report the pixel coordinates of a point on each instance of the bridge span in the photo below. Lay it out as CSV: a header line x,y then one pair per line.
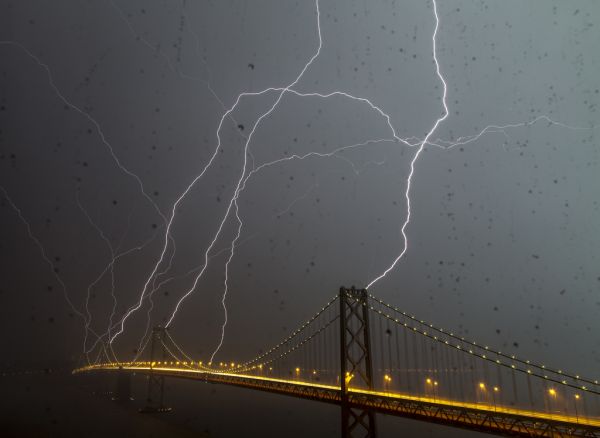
x,y
391,363
497,420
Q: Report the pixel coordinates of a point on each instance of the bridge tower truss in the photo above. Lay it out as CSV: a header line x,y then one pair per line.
x,y
356,361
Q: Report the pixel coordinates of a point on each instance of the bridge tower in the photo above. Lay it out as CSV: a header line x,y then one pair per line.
x,y
355,357
156,383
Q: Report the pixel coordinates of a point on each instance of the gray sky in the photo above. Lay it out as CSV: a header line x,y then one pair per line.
x,y
504,237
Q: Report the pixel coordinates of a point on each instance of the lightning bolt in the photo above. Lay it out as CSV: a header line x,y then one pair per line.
x,y
242,182
46,259
103,139
311,189
170,279
418,153
246,147
156,49
244,177
152,283
411,142
110,267
201,174
42,250
115,255
93,121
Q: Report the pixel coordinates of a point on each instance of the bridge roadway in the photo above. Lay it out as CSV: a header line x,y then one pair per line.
x,y
498,420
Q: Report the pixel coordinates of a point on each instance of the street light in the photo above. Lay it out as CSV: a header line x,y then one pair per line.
x,y
496,389
577,397
433,385
482,387
428,382
552,393
386,381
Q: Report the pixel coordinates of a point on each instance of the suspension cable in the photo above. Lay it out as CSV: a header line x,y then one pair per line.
x,y
498,362
291,336
513,358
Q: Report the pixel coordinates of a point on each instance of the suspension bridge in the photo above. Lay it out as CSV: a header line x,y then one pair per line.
x,y
371,358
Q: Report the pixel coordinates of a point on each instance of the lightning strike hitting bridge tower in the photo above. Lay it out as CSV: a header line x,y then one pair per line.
x,y
355,361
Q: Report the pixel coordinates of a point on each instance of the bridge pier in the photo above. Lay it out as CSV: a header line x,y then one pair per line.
x,y
156,383
103,385
355,361
123,387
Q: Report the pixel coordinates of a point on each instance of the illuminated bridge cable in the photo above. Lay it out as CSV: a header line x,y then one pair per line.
x,y
170,352
290,349
488,359
190,362
177,346
513,358
244,368
291,336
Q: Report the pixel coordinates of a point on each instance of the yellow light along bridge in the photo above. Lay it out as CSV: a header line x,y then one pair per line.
x,y
482,417
393,364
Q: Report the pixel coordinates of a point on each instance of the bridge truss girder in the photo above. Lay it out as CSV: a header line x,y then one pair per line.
x,y
488,421
493,422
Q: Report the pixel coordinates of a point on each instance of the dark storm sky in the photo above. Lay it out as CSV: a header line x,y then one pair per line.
x,y
504,238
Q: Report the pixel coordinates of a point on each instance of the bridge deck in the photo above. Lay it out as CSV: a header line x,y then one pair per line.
x,y
499,420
